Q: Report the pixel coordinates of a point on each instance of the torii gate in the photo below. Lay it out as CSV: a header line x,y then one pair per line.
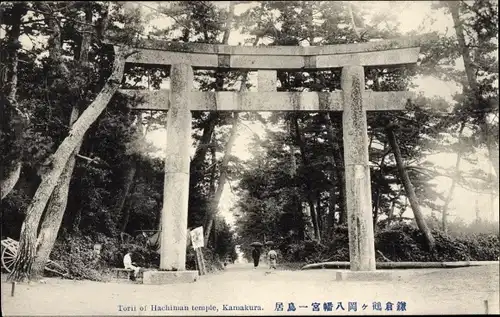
x,y
353,100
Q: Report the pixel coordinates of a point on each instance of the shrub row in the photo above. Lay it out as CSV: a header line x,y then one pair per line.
x,y
76,254
399,243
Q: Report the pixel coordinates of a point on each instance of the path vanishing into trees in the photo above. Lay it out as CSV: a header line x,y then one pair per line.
x,y
460,290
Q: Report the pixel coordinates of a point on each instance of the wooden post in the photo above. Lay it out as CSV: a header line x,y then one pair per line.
x,y
203,265
176,189
197,260
200,261
13,289
357,171
196,265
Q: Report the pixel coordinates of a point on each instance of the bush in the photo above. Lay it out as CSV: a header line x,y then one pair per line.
x,y
482,246
143,255
400,243
190,259
212,260
110,255
76,254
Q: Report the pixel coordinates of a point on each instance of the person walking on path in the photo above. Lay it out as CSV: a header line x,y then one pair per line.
x,y
272,256
256,257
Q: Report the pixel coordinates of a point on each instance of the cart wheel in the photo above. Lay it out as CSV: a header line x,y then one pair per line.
x,y
8,257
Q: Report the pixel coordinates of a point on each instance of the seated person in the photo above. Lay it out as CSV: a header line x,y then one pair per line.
x,y
128,264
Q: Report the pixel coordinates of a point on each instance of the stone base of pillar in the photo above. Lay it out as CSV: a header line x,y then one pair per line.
x,y
379,275
169,277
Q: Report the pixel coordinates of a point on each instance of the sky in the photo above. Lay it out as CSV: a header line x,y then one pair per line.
x,y
412,15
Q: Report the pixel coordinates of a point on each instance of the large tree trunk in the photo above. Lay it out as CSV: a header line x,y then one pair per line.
x,y
214,233
338,159
489,139
314,219
11,115
206,138
211,192
454,7
52,220
300,215
378,195
141,133
296,206
126,212
213,172
10,180
454,180
26,252
493,154
222,179
17,12
212,210
470,70
59,199
332,202
77,219
229,21
83,56
310,194
390,215
201,150
419,217
129,180
55,39
319,214
204,144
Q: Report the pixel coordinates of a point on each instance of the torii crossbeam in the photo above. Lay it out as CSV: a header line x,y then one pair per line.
x,y
353,101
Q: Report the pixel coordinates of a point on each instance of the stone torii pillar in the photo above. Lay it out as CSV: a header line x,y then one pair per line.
x,y
174,221
357,171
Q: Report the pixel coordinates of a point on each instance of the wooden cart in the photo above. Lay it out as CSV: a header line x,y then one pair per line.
x,y
9,252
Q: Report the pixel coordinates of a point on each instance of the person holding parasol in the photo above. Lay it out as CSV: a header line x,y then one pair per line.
x,y
256,253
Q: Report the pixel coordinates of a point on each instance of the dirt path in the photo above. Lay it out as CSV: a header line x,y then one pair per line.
x,y
425,291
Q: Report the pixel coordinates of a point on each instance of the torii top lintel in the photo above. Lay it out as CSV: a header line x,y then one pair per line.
x,y
267,60
377,53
